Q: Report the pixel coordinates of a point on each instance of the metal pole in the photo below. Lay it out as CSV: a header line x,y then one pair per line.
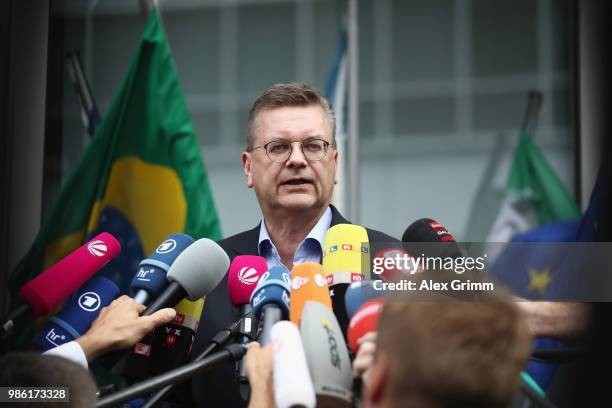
x,y
353,113
534,105
146,6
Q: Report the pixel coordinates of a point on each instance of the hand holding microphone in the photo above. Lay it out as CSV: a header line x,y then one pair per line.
x,y
120,326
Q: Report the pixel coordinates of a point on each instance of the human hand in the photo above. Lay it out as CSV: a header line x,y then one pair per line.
x,y
120,326
365,355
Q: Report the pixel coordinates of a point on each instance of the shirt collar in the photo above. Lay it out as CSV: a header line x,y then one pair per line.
x,y
317,233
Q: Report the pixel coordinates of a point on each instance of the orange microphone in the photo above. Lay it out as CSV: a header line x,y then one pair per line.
x,y
307,283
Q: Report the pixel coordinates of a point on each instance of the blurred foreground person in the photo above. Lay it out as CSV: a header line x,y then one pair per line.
x,y
445,354
36,370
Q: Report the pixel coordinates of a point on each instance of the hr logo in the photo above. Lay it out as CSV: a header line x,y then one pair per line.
x,y
54,338
142,274
89,301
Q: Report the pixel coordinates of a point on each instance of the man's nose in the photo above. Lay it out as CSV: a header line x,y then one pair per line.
x,y
296,158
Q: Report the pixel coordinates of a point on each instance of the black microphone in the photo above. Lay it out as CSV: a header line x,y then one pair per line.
x,y
229,354
430,238
194,273
242,278
220,339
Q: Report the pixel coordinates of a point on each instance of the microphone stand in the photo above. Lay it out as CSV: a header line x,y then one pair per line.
x,y
219,340
231,353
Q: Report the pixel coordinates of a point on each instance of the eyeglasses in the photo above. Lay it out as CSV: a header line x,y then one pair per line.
x,y
279,151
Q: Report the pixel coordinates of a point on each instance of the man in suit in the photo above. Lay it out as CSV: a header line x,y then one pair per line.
x,y
290,161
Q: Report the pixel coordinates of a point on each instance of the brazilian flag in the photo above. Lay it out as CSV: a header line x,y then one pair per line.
x,y
140,178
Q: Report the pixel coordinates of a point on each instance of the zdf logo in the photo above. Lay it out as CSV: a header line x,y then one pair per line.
x,y
97,248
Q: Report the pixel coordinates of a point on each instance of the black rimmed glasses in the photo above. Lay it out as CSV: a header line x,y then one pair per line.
x,y
279,151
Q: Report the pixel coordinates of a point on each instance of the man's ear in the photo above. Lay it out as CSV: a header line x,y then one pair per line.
x,y
376,381
247,162
336,160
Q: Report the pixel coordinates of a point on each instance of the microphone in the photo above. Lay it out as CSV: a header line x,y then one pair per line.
x,y
270,300
230,353
346,259
359,293
78,313
292,384
327,356
150,280
172,342
364,321
47,291
242,278
388,270
430,238
195,272
307,283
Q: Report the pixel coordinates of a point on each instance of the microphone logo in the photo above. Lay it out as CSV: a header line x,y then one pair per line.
x,y
298,282
334,355
89,301
247,276
52,337
166,246
320,280
97,248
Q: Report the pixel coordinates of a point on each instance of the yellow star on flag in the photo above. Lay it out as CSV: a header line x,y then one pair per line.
x,y
539,280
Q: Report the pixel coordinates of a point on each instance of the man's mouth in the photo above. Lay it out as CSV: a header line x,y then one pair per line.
x,y
296,182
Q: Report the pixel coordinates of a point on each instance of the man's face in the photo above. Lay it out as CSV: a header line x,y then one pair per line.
x,y
296,184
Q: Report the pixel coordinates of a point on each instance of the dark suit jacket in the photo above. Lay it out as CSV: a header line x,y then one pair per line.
x,y
219,387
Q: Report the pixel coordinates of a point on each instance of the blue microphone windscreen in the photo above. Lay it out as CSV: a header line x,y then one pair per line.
x,y
273,288
151,274
78,313
359,293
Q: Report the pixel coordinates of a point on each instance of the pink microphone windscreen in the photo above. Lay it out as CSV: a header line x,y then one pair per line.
x,y
49,289
242,277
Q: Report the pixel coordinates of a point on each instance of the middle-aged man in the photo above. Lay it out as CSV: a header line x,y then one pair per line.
x,y
290,161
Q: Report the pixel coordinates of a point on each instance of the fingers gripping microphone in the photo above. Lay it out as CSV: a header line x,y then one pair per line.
x,y
292,384
327,356
270,300
48,290
346,259
150,279
78,313
363,322
242,278
307,283
172,342
195,273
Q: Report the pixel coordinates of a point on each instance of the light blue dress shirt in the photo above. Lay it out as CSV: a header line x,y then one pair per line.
x,y
309,250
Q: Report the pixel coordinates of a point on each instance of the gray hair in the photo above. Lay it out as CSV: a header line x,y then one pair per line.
x,y
291,94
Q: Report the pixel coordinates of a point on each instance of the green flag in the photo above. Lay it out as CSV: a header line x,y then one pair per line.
x,y
534,195
140,178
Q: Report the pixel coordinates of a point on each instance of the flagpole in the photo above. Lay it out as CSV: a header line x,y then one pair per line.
x,y
353,113
534,105
146,6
